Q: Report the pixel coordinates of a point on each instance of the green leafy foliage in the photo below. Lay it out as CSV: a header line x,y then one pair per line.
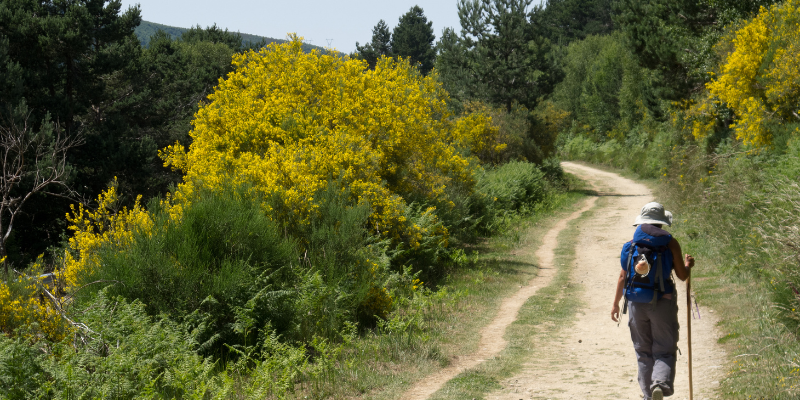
x,y
603,88
20,370
215,245
226,270
513,186
127,355
676,38
453,68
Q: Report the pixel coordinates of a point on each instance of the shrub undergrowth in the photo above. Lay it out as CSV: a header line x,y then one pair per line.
x,y
225,303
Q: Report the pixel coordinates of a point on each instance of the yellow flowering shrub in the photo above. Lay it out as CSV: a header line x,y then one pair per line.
x,y
21,306
699,117
378,302
476,133
760,78
91,229
285,122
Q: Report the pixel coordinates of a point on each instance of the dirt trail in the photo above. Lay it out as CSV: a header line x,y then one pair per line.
x,y
594,358
492,340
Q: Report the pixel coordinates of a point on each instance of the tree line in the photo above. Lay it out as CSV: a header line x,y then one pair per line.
x,y
77,70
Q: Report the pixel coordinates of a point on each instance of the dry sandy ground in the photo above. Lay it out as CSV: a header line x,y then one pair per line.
x,y
492,340
592,358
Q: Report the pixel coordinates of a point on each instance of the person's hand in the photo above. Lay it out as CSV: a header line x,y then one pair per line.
x,y
688,261
615,312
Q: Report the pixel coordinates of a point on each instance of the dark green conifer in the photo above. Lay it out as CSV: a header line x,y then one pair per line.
x,y
503,58
413,38
381,45
563,21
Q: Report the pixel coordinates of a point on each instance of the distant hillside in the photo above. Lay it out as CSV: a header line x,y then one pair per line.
x,y
147,29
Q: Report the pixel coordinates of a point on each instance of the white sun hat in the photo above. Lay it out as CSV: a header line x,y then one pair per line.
x,y
654,213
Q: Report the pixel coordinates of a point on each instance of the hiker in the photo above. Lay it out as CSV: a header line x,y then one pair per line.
x,y
650,294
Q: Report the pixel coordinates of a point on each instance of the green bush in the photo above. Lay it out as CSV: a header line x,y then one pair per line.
x,y
225,270
513,185
579,148
222,253
340,260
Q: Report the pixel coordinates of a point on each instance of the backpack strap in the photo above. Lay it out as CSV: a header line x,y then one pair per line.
x,y
627,275
659,271
658,279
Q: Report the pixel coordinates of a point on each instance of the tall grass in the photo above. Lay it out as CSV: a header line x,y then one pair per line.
x,y
739,208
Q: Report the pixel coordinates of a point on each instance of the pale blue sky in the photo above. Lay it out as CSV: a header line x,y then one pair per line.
x,y
343,21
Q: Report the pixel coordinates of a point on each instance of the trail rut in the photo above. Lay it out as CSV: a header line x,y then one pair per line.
x,y
492,340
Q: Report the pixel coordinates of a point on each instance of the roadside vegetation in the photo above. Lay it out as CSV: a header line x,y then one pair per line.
x,y
156,355
251,221
724,155
312,248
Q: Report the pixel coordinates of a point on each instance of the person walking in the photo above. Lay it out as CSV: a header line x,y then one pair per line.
x,y
650,293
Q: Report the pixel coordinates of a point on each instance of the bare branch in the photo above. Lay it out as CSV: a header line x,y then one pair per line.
x,y
32,161
57,307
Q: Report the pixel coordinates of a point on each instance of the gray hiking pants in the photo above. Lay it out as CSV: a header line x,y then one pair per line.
x,y
654,331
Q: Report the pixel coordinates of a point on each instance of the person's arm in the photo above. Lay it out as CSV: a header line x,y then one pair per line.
x,y
618,296
680,263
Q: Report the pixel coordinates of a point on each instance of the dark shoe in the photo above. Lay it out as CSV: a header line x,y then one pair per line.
x,y
658,394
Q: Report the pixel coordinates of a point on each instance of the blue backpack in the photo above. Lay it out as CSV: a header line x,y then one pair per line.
x,y
649,243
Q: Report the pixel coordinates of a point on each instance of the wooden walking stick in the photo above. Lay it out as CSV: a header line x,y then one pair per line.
x,y
689,330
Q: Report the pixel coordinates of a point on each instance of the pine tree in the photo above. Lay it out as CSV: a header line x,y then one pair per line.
x,y
564,21
453,68
381,45
413,38
503,56
66,49
65,55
